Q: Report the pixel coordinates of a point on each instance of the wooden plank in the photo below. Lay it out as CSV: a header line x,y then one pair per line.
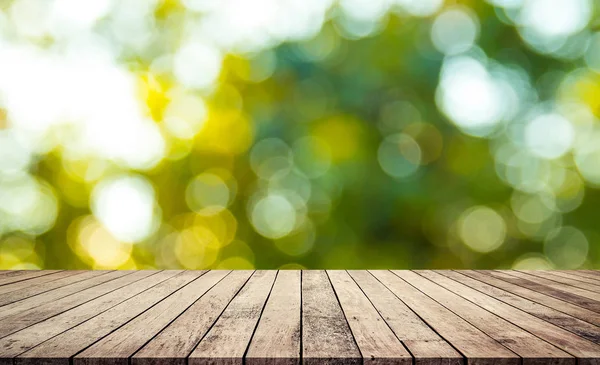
x,y
174,343
27,318
548,287
560,319
21,275
38,280
276,340
29,337
117,347
326,337
4,273
475,345
554,284
521,342
552,302
593,272
227,341
581,275
59,349
564,280
25,289
377,343
586,352
91,278
426,346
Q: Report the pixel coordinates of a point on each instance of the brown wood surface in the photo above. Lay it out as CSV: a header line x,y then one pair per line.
x,y
420,317
576,282
475,345
554,289
547,300
9,277
376,341
586,351
174,343
326,337
277,337
426,346
228,339
531,348
549,314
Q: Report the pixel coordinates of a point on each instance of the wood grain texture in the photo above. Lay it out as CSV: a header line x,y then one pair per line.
x,y
592,272
576,282
22,289
425,345
34,315
55,347
547,300
277,337
9,277
475,345
570,323
553,283
326,337
586,351
178,317
376,341
117,347
581,276
228,339
532,349
93,278
557,290
174,343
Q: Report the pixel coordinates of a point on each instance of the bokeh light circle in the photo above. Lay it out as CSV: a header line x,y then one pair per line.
x,y
273,216
126,206
482,229
399,155
567,247
207,194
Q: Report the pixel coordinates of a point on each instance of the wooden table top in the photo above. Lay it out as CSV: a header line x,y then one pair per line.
x,y
290,317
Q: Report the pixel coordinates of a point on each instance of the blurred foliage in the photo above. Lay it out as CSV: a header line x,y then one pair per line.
x,y
299,134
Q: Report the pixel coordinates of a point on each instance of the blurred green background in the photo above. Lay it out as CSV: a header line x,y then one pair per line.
x,y
299,134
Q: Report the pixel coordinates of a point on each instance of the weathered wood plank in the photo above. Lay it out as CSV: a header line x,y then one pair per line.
x,y
4,273
59,349
475,345
521,342
426,346
586,352
38,280
91,278
549,301
24,289
228,339
70,320
564,280
326,337
18,321
560,319
551,290
592,272
555,285
117,347
9,277
277,337
376,341
577,275
292,317
174,343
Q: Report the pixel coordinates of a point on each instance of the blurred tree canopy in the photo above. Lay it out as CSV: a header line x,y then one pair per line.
x,y
299,134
